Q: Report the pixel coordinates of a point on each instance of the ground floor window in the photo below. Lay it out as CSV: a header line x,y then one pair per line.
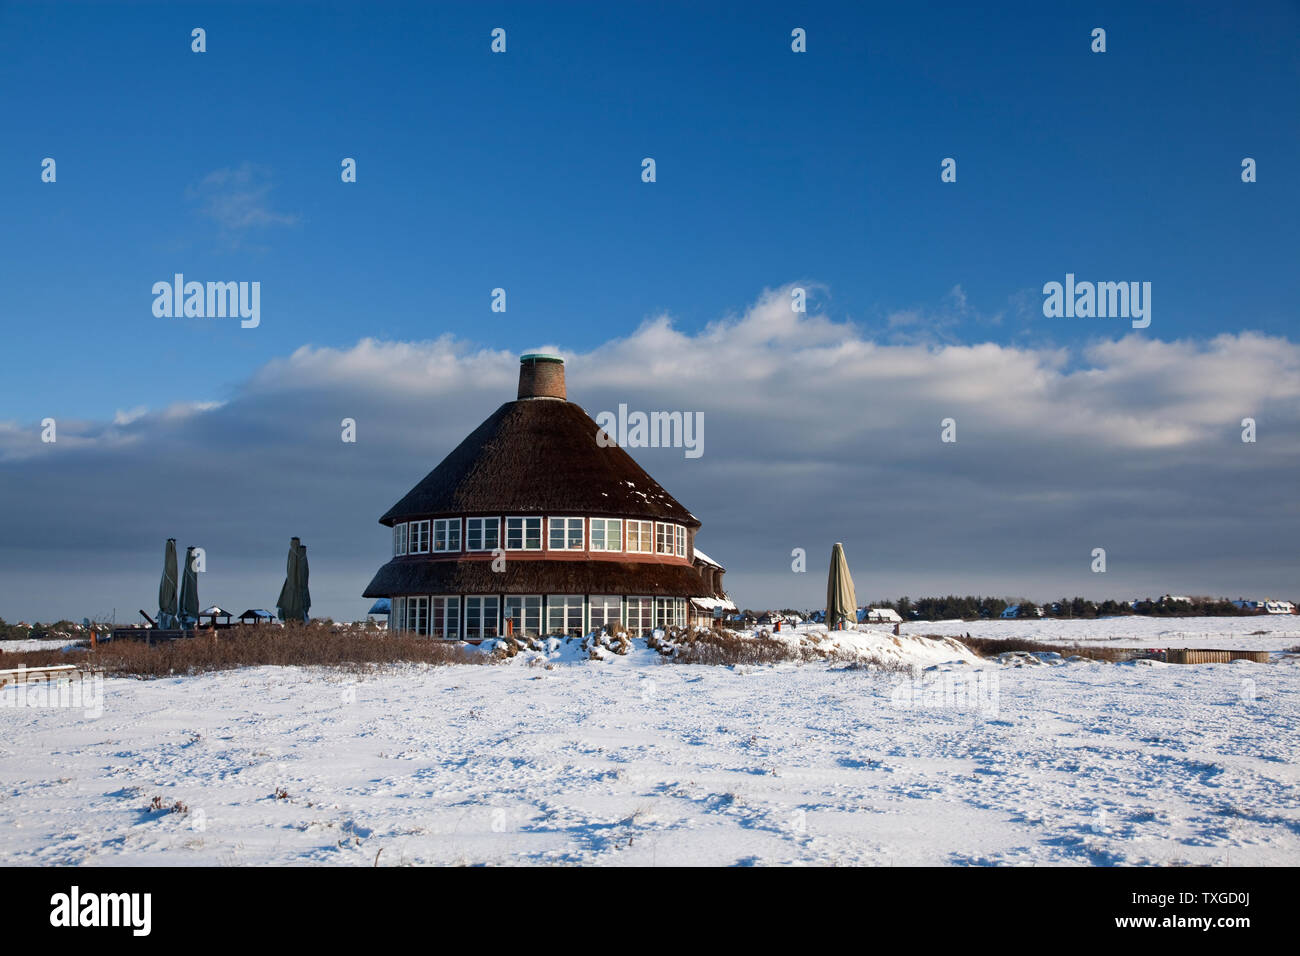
x,y
640,615
480,616
446,618
417,615
670,612
397,615
564,614
523,615
606,611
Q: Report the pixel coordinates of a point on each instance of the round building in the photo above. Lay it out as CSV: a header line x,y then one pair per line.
x,y
531,526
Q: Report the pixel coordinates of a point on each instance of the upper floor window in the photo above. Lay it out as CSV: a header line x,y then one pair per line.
x,y
399,538
482,534
681,542
664,538
418,538
606,534
446,534
523,534
566,534
640,536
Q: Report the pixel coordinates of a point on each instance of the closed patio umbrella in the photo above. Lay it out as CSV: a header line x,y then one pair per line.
x,y
841,601
189,599
294,600
167,588
303,575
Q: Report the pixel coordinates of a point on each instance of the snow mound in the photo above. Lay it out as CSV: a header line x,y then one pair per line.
x,y
808,642
875,645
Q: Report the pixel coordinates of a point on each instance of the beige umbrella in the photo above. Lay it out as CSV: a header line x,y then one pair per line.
x,y
841,601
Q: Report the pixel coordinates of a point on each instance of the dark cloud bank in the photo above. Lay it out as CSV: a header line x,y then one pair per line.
x,y
813,434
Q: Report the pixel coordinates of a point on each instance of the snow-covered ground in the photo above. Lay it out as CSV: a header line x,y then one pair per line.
x,y
1281,631
629,761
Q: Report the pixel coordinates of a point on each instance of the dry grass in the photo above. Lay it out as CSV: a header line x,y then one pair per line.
x,y
991,647
718,646
295,645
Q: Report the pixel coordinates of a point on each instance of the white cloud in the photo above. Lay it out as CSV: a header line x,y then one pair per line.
x,y
239,199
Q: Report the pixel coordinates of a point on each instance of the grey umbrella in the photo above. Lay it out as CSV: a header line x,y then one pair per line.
x,y
303,574
189,601
290,604
841,601
167,588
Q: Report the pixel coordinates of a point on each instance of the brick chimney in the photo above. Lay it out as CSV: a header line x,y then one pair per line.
x,y
541,376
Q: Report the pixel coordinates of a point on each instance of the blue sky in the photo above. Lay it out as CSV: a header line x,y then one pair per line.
x,y
774,169
522,171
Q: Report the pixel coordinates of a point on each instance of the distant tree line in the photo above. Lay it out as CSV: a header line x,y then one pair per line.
x,y
973,607
16,632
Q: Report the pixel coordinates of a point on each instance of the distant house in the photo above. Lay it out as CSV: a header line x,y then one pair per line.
x,y
1175,599
1013,610
1279,607
882,615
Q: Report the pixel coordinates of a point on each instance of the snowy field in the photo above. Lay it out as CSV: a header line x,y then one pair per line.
x,y
629,761
1281,631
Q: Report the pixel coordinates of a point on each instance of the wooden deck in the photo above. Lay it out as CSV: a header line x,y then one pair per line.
x,y
1197,655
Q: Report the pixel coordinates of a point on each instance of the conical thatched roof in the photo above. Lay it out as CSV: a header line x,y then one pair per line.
x,y
538,456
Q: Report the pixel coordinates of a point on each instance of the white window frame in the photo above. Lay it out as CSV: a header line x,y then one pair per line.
x,y
604,524
607,603
416,608
487,629
417,535
525,612
444,602
670,612
642,537
567,525
482,526
523,532
636,605
448,527
681,541
565,627
397,617
664,538
399,539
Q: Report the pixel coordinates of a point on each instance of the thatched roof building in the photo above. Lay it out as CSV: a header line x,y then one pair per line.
x,y
533,526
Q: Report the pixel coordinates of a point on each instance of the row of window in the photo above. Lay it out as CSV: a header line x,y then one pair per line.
x,y
478,616
440,535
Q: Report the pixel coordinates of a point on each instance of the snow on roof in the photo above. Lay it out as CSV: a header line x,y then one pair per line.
x,y
708,604
700,555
